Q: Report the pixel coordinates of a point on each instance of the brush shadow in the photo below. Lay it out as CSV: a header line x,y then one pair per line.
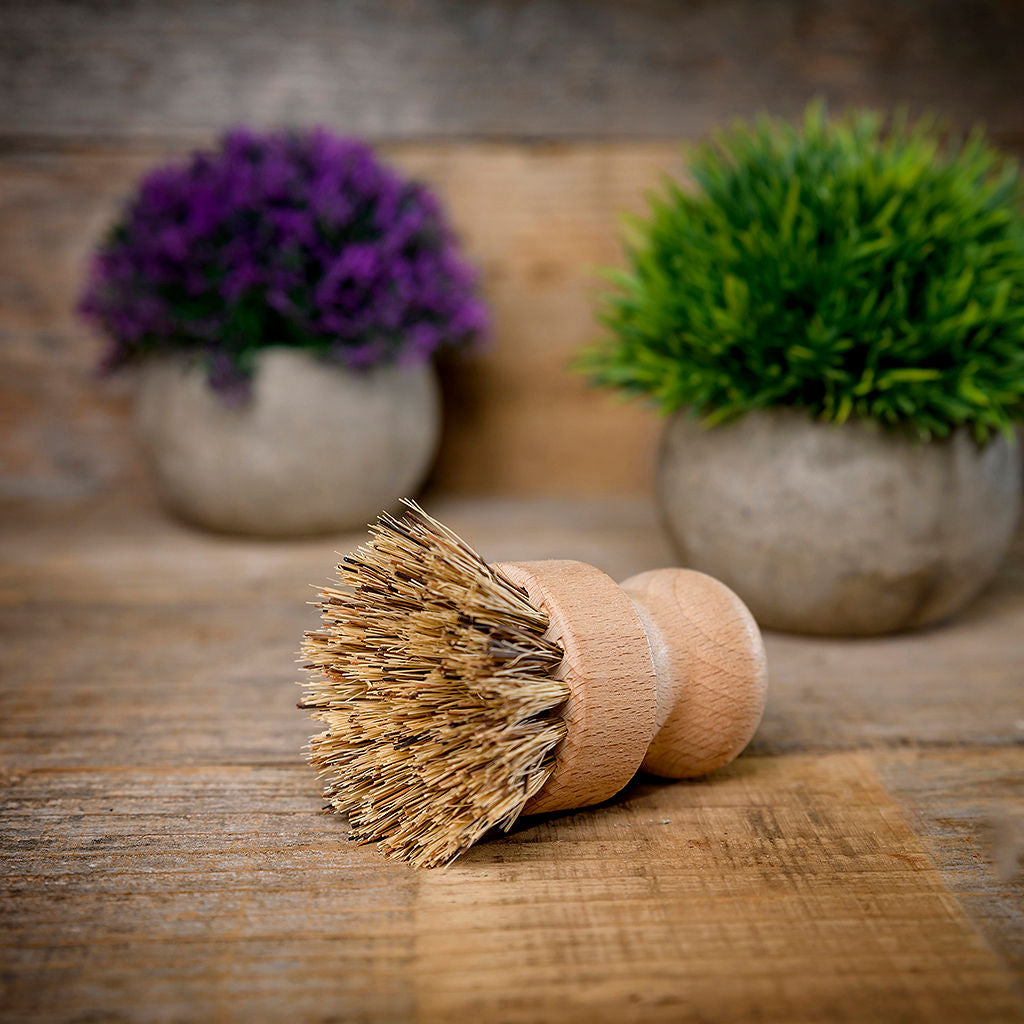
x,y
491,850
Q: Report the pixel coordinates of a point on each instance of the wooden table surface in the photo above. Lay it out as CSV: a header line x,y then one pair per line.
x,y
165,858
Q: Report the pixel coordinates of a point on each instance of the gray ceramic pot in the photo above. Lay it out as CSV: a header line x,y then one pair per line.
x,y
317,448
838,530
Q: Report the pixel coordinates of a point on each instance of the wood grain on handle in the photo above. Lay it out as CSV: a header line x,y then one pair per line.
x,y
711,670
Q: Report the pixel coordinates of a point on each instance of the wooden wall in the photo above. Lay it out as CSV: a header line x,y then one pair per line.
x,y
538,121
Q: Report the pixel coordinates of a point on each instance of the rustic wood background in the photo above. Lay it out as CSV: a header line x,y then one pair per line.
x,y
537,121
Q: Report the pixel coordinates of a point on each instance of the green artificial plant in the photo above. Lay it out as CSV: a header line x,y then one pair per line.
x,y
846,267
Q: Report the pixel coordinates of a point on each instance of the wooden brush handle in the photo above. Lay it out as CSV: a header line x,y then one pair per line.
x,y
666,671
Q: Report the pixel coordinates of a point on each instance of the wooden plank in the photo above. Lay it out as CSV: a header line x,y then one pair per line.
x,y
967,805
195,893
782,889
786,889
518,419
123,551
418,68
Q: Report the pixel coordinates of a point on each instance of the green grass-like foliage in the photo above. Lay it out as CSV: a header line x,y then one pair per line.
x,y
838,266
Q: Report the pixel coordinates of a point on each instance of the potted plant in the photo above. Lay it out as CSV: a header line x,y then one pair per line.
x,y
283,296
833,318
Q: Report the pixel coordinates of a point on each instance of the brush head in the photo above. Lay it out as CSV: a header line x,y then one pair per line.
x,y
433,674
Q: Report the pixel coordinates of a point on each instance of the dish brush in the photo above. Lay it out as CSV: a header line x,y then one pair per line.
x,y
458,695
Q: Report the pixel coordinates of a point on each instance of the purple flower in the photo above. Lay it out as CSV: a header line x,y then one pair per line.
x,y
300,239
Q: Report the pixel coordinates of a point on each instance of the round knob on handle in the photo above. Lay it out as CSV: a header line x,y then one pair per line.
x,y
710,665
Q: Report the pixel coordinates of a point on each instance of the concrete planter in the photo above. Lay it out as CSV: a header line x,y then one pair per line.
x,y
838,530
317,449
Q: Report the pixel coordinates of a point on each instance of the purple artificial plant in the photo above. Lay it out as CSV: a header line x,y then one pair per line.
x,y
284,238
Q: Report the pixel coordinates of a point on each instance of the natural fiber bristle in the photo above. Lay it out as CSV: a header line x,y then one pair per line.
x,y
433,675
